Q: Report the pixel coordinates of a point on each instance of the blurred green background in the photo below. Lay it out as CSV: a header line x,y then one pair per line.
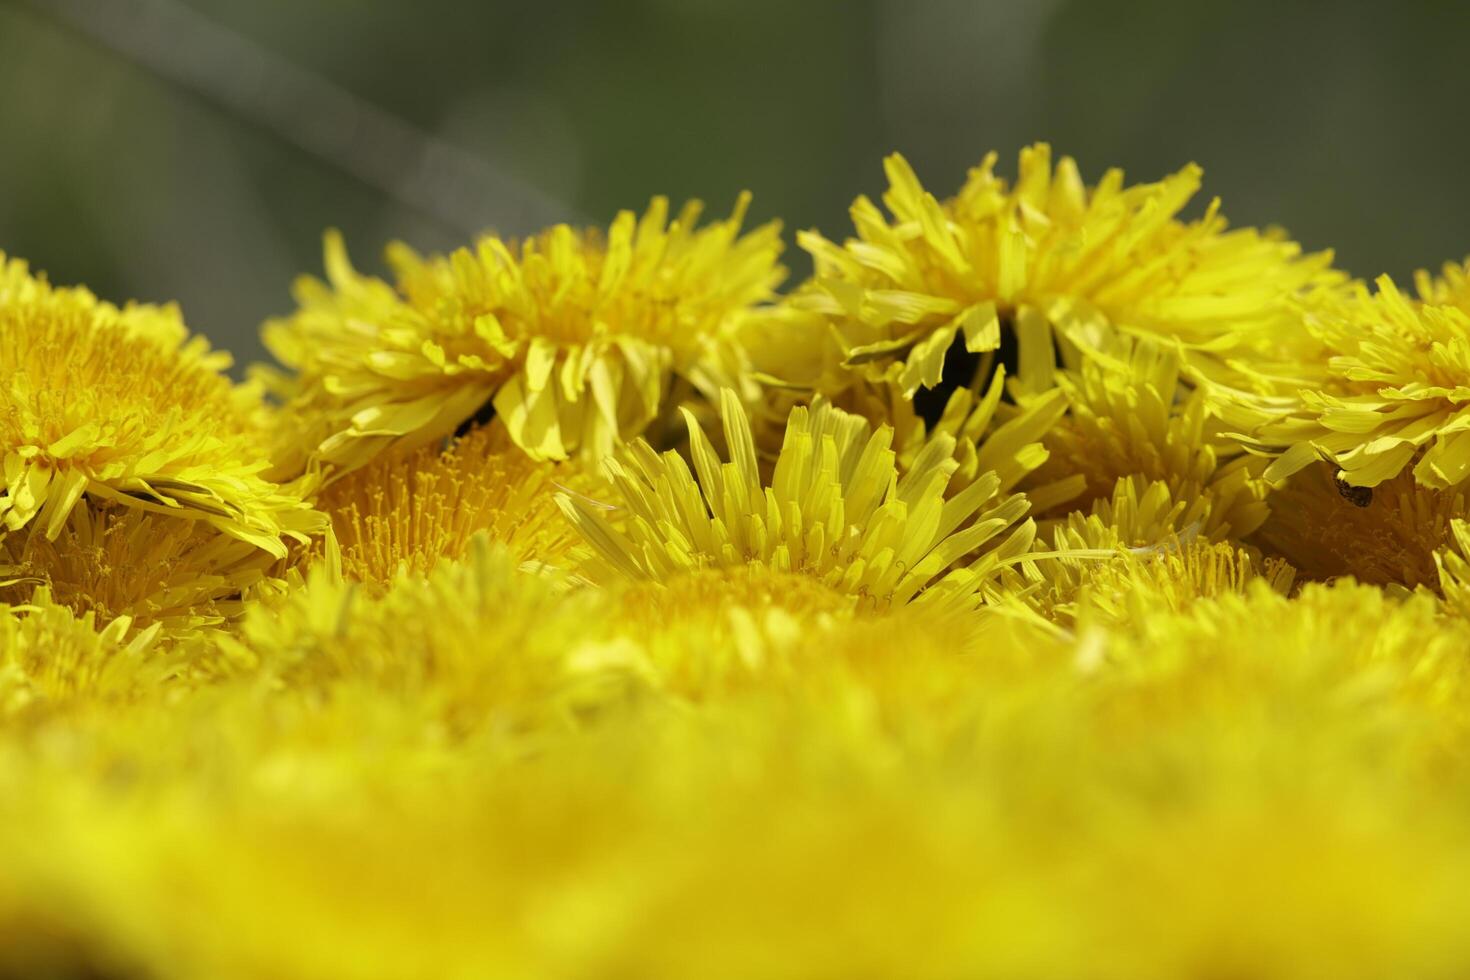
x,y
160,149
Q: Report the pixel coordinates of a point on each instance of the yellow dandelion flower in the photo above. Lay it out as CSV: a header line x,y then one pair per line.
x,y
709,595
1138,513
1146,581
1139,520
125,406
715,636
1050,258
114,561
408,513
791,350
710,632
835,510
1133,418
578,339
537,660
51,657
1385,535
1327,636
990,436
1397,392
1450,288
1452,561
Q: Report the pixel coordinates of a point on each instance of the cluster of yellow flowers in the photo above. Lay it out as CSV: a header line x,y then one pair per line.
x,y
1051,585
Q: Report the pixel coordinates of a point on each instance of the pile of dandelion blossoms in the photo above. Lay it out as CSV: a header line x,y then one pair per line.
x,y
1052,585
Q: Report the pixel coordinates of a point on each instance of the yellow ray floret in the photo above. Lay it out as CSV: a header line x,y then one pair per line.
x,y
1051,257
835,510
406,514
1131,417
1452,561
1397,392
990,435
482,645
54,660
1450,288
577,338
114,561
123,405
1142,532
1146,581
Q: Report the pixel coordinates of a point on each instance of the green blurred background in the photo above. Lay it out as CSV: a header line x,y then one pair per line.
x,y
159,149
